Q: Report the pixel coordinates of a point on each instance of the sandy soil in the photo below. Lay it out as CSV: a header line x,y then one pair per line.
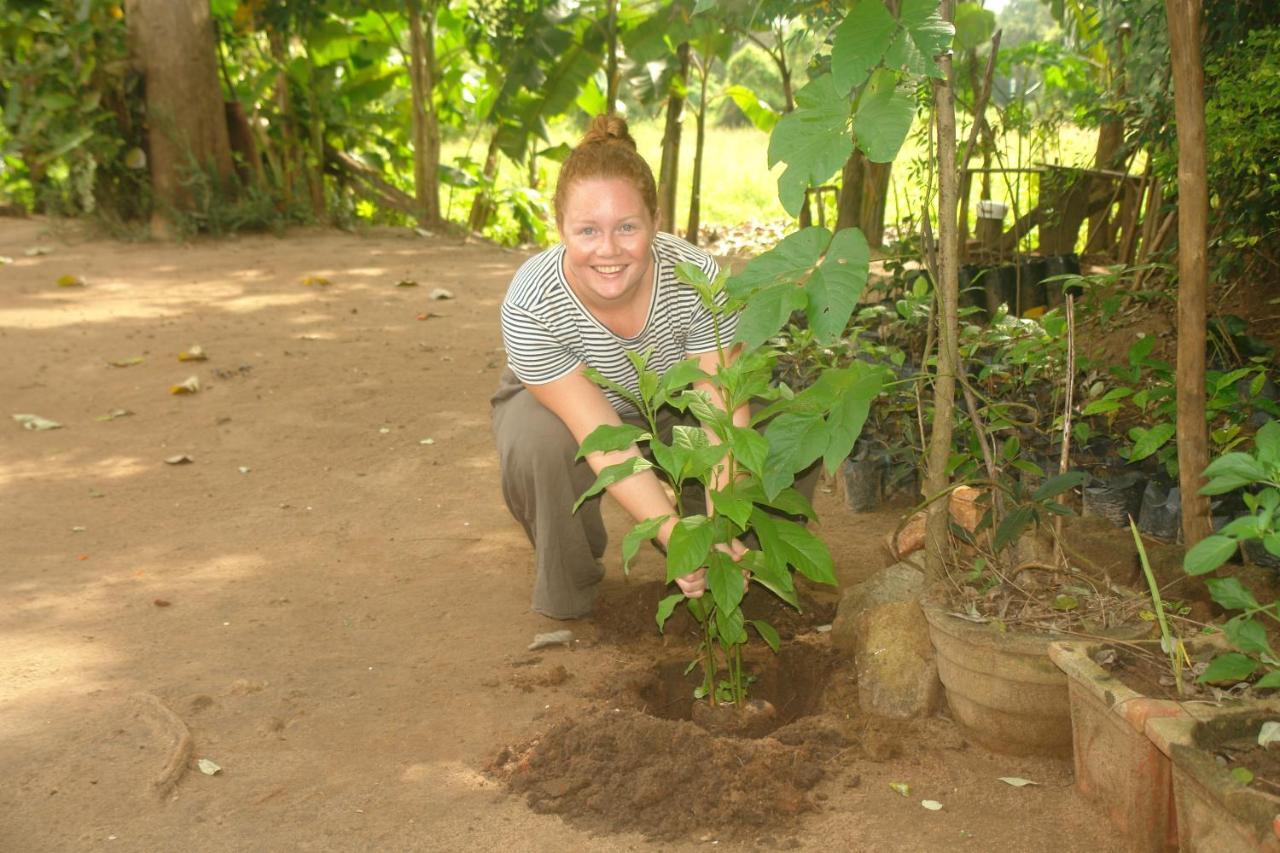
x,y
330,599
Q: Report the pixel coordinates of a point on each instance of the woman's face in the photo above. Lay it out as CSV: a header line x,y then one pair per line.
x,y
607,233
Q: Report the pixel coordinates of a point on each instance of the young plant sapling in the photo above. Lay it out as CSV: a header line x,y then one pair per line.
x,y
748,477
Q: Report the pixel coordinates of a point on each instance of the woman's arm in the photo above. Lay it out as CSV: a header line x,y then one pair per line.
x,y
582,406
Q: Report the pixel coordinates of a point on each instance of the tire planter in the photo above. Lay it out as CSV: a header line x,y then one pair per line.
x,y
1117,766
1003,690
1216,814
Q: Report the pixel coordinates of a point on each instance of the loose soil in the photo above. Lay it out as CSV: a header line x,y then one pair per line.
x,y
330,601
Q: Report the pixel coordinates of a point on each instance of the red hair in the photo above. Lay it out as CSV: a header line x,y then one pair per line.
x,y
606,151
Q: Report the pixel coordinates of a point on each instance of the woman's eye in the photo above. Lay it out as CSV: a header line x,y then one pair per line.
x,y
587,232
628,228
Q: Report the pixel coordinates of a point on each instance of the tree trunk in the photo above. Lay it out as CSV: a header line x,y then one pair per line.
x,y
288,148
669,168
875,197
611,67
426,130
1193,265
947,276
482,206
172,42
1108,155
695,191
849,203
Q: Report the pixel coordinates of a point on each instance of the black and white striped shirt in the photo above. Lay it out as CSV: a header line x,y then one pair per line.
x,y
548,332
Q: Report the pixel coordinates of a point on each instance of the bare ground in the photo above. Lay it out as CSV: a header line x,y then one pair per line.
x,y
334,610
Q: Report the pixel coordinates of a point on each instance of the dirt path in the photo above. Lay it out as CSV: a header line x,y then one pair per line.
x,y
330,599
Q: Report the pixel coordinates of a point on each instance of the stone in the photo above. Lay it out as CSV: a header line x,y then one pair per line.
x,y
880,624
965,508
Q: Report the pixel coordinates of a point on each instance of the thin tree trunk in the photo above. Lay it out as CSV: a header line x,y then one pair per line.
x,y
669,168
611,68
1193,266
482,206
948,327
875,197
284,108
426,131
849,202
695,191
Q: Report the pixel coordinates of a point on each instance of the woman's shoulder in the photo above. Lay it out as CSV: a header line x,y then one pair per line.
x,y
535,276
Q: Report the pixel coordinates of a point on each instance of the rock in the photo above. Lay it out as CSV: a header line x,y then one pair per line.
x,y
965,508
899,583
879,622
551,638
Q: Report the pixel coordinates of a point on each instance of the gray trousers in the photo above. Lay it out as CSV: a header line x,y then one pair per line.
x,y
541,480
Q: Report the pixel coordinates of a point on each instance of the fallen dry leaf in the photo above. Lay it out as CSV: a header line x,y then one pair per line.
x,y
180,459
196,353
315,281
190,385
70,281
36,422
127,362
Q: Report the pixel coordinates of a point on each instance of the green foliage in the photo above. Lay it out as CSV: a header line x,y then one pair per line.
x,y
1259,472
746,476
875,63
72,126
1244,136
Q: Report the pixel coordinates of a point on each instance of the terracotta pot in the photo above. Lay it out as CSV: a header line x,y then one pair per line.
x,y
1003,690
1116,764
1216,814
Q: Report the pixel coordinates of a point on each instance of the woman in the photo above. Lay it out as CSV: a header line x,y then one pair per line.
x,y
607,288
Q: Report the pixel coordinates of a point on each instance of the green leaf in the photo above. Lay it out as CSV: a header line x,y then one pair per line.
x,y
1239,466
974,26
730,503
1231,594
1066,603
1248,636
724,579
776,579
787,543
1268,444
860,385
1207,554
1230,668
767,633
766,313
613,474
860,42
813,140
687,548
666,607
604,381
1011,527
731,627
607,438
1148,441
931,34
789,262
1271,680
750,449
680,375
837,285
637,536
884,117
796,441
1056,485
1243,775
756,110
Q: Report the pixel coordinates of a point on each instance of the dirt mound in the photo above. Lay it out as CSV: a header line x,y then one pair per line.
x,y
621,770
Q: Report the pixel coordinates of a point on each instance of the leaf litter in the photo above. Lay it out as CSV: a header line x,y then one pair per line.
x,y
35,422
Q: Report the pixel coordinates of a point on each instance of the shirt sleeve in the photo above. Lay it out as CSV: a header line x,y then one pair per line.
x,y
702,326
534,353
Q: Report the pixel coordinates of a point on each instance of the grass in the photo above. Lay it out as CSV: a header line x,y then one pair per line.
x,y
738,187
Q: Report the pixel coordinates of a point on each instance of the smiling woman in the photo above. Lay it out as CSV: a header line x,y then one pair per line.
x,y
606,293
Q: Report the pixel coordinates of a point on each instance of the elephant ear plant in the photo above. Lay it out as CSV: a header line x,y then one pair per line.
x,y
748,473
1258,473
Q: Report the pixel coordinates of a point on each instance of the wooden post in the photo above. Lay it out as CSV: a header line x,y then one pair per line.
x,y
1193,264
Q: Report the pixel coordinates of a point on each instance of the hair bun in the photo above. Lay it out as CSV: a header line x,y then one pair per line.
x,y
608,128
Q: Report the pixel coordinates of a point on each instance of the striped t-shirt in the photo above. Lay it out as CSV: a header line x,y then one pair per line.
x,y
548,332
